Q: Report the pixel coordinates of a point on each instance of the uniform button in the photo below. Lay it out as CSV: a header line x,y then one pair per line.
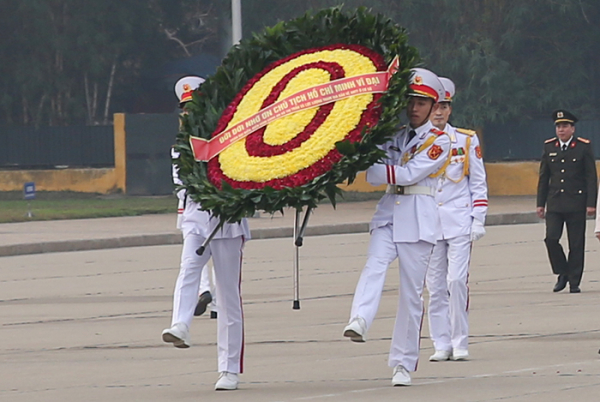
x,y
440,204
562,180
562,170
580,191
397,202
574,160
562,160
562,190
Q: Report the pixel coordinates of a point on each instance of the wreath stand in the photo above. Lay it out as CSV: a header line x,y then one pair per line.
x,y
298,235
298,241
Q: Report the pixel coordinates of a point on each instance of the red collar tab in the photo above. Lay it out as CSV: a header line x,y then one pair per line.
x,y
437,131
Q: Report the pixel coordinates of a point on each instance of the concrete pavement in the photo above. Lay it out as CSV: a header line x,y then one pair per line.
x,y
85,326
149,230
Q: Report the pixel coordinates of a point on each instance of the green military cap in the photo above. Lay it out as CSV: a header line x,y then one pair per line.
x,y
563,116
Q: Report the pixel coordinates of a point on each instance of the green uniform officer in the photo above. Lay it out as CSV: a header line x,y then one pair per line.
x,y
567,192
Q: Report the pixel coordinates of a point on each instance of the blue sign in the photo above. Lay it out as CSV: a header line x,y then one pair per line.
x,y
29,190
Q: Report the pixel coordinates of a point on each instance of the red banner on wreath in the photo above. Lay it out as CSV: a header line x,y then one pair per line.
x,y
333,91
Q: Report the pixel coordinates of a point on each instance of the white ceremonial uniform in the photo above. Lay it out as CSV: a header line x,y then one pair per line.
x,y
404,227
226,251
205,282
461,196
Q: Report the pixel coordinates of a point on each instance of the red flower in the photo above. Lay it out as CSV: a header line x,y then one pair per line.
x,y
255,144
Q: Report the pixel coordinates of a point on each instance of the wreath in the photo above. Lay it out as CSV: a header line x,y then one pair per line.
x,y
294,154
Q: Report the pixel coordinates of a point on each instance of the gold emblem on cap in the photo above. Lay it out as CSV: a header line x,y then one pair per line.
x,y
560,115
418,80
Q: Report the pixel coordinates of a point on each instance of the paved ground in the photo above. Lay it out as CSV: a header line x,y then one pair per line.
x,y
85,325
148,230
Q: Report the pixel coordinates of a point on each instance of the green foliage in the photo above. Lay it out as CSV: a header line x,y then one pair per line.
x,y
244,61
511,60
58,56
71,205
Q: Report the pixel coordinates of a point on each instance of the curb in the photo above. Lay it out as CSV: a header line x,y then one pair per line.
x,y
512,219
257,234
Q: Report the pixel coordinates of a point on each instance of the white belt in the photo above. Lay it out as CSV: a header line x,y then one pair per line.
x,y
413,190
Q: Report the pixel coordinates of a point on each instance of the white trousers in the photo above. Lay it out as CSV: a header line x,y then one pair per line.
x,y
413,260
227,259
447,278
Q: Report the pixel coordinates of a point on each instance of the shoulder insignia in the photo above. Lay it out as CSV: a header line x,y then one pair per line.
x,y
437,132
584,140
435,151
466,131
403,127
549,140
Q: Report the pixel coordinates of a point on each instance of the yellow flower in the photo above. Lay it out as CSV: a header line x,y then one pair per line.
x,y
343,118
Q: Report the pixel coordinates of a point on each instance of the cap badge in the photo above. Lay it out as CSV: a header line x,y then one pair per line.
x,y
418,80
186,87
560,115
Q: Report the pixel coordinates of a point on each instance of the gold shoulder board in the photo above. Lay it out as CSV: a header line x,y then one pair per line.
x,y
466,131
584,140
549,140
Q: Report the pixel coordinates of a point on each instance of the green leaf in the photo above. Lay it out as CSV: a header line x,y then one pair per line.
x,y
345,147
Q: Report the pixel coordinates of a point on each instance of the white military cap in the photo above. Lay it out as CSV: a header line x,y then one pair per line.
x,y
186,86
426,84
449,88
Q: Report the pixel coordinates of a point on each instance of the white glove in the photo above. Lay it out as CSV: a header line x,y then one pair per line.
x,y
477,230
181,194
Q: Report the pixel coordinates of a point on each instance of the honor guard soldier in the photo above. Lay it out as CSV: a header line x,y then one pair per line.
x,y
462,202
567,192
226,251
184,88
405,225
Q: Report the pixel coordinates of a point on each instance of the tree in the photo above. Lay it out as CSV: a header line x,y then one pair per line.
x,y
511,59
70,61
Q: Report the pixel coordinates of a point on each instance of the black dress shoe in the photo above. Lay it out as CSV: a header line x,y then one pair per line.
x,y
203,302
561,283
574,289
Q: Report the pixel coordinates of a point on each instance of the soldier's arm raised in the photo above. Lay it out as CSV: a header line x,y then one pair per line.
x,y
424,163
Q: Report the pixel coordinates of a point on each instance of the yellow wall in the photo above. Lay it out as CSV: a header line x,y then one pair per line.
x,y
80,180
512,178
105,180
505,178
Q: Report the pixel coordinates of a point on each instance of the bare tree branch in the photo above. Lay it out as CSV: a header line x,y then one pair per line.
x,y
171,36
583,12
109,91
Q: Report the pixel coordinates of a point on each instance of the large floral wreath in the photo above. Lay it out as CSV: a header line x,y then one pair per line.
x,y
299,159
